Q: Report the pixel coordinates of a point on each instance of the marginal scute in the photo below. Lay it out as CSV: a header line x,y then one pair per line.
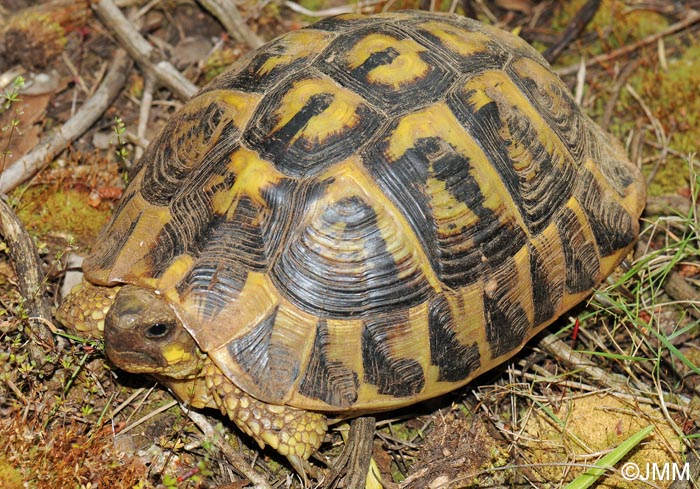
x,y
508,304
579,250
327,378
611,224
393,375
547,272
455,360
268,356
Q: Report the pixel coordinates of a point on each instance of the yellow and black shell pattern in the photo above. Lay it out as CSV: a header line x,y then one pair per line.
x,y
373,210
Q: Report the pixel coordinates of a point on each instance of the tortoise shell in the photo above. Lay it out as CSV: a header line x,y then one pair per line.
x,y
372,211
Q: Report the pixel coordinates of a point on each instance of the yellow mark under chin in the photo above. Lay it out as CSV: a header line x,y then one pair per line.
x,y
175,353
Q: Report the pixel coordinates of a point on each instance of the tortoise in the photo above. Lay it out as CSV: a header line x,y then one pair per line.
x,y
357,216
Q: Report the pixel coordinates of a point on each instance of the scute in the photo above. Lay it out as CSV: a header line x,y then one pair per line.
x,y
374,210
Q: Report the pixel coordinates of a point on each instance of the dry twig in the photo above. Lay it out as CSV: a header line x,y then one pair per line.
x,y
227,13
30,280
678,26
234,458
51,145
144,54
351,467
575,27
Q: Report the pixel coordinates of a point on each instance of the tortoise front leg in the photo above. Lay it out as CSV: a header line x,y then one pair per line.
x,y
294,433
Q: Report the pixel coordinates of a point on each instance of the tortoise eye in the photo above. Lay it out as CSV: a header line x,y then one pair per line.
x,y
158,330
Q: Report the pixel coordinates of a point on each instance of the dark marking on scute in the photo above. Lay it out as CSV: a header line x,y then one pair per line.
x,y
494,57
538,198
375,60
225,254
326,379
416,93
169,163
547,184
192,213
403,181
398,377
455,360
484,125
249,78
297,156
493,239
318,274
273,367
507,324
612,162
344,26
546,294
562,114
611,224
456,262
314,106
619,176
580,255
234,246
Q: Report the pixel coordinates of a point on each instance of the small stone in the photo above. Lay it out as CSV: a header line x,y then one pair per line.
x,y
441,481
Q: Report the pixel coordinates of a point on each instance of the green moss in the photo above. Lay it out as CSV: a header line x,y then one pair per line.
x,y
615,24
673,98
10,477
44,210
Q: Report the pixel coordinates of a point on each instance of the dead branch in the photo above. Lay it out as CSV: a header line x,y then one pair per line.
x,y
577,24
352,465
227,13
144,54
30,280
678,26
84,118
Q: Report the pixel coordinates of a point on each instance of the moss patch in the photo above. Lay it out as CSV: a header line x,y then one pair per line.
x,y
46,210
615,25
10,478
596,424
674,99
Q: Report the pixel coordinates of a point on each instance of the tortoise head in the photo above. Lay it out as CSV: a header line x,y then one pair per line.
x,y
144,335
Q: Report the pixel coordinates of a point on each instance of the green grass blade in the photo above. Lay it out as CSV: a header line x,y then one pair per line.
x,y
601,467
